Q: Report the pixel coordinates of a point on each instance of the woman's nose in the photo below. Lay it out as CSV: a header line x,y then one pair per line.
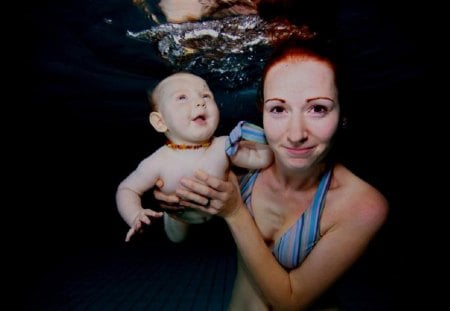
x,y
297,132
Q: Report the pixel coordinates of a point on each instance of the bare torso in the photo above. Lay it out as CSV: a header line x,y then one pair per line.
x,y
181,163
275,211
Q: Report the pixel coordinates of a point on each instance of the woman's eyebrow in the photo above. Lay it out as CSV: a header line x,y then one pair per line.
x,y
274,99
319,97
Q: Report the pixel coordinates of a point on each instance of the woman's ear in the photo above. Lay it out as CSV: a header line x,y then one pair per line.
x,y
157,121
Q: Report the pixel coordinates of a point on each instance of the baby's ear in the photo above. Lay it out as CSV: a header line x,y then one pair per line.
x,y
157,121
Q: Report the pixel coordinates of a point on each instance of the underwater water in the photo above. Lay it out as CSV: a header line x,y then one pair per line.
x,y
88,87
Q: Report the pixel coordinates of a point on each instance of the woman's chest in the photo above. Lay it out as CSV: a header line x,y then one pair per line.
x,y
276,212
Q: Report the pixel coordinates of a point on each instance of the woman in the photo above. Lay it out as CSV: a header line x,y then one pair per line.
x,y
300,223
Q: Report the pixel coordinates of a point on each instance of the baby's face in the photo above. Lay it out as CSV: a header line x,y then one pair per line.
x,y
187,105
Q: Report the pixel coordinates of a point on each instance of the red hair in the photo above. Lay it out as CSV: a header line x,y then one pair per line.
x,y
298,50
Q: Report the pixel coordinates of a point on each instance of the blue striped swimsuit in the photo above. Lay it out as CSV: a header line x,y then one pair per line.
x,y
296,243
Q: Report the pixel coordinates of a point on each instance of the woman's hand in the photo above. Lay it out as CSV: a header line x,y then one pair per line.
x,y
167,202
210,194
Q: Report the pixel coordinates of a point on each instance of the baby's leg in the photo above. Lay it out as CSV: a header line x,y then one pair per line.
x,y
176,230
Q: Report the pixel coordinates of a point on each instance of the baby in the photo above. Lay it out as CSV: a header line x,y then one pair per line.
x,y
184,109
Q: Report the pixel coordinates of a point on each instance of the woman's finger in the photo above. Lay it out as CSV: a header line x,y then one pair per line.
x,y
168,198
207,209
218,184
209,180
196,193
159,183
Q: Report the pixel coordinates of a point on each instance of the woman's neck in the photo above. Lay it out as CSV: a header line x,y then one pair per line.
x,y
296,180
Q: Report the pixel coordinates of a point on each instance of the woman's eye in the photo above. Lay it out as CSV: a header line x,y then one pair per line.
x,y
319,109
277,109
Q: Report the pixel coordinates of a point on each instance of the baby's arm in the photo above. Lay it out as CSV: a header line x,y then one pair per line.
x,y
247,146
130,191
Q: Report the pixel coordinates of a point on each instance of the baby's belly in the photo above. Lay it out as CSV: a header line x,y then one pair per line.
x,y
171,178
173,175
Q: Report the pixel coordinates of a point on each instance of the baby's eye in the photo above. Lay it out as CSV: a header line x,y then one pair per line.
x,y
206,96
182,98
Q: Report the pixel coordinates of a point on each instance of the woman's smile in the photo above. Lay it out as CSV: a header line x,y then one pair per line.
x,y
299,152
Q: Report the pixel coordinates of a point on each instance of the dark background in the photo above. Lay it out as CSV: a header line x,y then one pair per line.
x,y
85,127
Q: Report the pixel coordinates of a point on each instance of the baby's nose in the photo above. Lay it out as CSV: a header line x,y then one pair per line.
x,y
201,103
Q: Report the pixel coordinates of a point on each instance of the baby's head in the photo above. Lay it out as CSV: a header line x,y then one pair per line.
x,y
184,109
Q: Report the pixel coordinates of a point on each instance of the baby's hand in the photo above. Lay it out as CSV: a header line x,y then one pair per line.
x,y
143,216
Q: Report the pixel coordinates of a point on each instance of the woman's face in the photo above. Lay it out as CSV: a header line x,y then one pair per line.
x,y
300,111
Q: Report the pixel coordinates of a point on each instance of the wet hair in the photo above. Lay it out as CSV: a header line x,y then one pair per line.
x,y
299,50
320,16
302,50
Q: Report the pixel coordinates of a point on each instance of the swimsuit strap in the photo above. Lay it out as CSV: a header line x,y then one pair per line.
x,y
247,131
297,242
246,183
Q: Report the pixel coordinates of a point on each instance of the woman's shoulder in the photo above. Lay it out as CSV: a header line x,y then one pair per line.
x,y
359,199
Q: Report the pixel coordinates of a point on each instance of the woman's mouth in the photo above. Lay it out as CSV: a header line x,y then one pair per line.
x,y
300,152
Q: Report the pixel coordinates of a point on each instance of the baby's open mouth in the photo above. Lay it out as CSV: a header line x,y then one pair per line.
x,y
201,119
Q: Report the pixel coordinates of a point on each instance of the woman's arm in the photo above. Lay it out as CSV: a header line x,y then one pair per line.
x,y
335,252
247,147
